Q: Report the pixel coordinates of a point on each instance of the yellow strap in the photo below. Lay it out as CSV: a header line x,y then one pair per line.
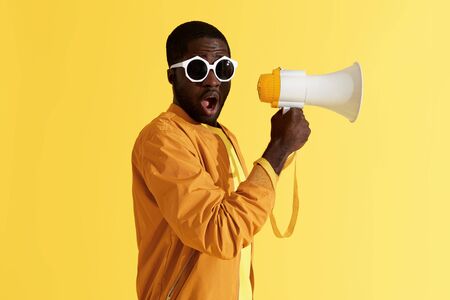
x,y
289,160
295,206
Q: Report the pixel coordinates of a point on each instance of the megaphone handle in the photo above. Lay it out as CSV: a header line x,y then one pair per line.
x,y
285,109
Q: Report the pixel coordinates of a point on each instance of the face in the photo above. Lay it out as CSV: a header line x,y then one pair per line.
x,y
203,101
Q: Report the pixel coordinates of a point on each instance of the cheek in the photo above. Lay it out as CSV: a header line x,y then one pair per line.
x,y
185,87
225,89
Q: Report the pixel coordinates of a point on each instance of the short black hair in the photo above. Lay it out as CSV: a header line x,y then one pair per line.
x,y
177,41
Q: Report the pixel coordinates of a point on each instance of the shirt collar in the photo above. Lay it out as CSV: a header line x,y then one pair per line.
x,y
174,108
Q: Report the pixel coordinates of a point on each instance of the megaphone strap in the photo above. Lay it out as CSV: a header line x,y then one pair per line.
x,y
295,208
289,160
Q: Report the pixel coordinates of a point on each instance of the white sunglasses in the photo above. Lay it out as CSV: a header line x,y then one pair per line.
x,y
197,68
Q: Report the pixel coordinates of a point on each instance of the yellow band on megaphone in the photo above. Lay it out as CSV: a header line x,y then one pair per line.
x,y
269,86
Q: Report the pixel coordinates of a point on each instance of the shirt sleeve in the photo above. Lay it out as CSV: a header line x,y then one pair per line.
x,y
269,170
201,213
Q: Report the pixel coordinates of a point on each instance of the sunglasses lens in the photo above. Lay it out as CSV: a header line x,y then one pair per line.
x,y
197,69
224,69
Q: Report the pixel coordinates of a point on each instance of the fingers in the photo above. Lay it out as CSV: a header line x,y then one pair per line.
x,y
295,114
295,111
277,115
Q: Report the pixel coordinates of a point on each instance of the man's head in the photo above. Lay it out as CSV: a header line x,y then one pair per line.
x,y
203,101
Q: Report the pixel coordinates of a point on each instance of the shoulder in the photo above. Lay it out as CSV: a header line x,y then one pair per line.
x,y
166,130
164,124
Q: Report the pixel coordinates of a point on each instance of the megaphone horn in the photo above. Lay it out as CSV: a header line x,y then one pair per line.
x,y
340,91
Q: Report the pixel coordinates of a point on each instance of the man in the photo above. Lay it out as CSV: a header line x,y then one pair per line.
x,y
196,207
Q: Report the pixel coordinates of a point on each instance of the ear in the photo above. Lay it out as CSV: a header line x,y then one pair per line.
x,y
170,75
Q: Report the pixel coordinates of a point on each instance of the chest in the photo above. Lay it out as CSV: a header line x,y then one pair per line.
x,y
220,159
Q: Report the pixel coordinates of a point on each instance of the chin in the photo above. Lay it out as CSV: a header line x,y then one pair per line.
x,y
208,120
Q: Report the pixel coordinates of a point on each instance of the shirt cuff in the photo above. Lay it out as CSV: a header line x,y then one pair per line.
x,y
269,170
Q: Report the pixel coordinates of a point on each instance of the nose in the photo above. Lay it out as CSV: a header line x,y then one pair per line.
x,y
211,79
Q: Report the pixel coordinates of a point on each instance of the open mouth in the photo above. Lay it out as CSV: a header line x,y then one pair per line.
x,y
210,104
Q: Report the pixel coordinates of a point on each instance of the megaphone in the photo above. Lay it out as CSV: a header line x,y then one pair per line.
x,y
340,91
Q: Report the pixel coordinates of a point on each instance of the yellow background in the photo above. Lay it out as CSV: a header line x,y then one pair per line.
x,y
79,79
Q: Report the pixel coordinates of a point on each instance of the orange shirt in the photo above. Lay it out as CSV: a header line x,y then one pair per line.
x,y
191,219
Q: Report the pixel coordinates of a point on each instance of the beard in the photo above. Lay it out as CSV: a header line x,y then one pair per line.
x,y
194,109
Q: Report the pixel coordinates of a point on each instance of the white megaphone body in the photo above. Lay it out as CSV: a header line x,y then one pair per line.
x,y
340,91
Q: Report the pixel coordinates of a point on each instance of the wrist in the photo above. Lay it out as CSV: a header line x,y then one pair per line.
x,y
276,155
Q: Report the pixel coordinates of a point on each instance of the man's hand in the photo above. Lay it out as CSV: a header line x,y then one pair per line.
x,y
290,131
